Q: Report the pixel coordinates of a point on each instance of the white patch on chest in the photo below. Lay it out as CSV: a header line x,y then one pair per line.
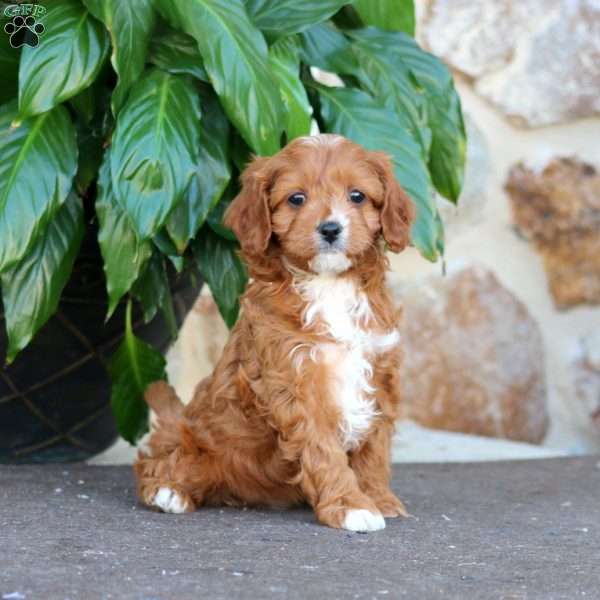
x,y
344,312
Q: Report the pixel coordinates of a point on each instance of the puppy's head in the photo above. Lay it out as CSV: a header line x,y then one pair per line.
x,y
324,201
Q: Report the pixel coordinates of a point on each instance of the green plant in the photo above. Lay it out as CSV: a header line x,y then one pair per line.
x,y
143,112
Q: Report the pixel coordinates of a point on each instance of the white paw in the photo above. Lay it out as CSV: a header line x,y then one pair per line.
x,y
363,520
169,501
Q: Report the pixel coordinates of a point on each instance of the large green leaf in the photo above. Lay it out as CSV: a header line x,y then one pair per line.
x,y
385,77
444,115
9,67
84,104
223,271
69,59
123,253
239,152
90,157
236,58
93,122
326,47
152,287
132,368
354,114
449,139
130,24
291,16
155,149
283,57
31,289
211,175
163,242
216,215
178,53
393,15
39,161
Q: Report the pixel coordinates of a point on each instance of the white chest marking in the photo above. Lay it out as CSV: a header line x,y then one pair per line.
x,y
345,311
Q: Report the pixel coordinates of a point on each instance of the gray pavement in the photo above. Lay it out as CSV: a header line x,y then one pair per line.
x,y
513,531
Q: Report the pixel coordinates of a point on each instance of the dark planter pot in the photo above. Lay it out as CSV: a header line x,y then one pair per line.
x,y
55,396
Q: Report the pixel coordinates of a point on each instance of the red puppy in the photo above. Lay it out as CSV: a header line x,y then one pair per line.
x,y
301,405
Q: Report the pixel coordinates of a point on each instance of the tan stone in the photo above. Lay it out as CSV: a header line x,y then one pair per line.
x,y
558,210
538,61
473,357
586,368
198,347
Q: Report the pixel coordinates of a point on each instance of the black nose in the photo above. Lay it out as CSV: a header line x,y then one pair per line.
x,y
330,230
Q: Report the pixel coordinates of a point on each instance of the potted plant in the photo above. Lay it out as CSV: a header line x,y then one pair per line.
x,y
123,128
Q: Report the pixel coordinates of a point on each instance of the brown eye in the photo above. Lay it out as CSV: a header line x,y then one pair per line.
x,y
356,196
297,199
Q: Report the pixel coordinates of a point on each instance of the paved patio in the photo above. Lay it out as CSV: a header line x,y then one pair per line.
x,y
513,530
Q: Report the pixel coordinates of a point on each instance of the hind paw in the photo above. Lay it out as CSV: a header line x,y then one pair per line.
x,y
170,501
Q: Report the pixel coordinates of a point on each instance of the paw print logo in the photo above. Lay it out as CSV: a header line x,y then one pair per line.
x,y
24,30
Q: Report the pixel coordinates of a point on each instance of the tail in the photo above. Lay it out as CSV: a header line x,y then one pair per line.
x,y
173,429
163,400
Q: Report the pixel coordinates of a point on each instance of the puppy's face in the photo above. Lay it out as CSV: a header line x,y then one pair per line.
x,y
324,200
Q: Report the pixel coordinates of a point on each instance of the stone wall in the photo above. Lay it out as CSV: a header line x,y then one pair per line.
x,y
537,61
528,73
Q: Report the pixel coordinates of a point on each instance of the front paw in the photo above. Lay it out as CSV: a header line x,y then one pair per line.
x,y
348,515
390,505
363,520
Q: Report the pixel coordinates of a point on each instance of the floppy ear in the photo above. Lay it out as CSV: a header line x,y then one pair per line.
x,y
248,215
398,210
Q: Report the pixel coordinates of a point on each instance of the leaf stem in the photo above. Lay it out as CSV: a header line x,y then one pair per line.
x,y
128,325
131,347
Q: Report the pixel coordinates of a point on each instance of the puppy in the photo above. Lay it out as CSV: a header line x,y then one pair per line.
x,y
301,405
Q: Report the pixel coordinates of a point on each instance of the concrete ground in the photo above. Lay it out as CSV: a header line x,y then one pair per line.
x,y
507,530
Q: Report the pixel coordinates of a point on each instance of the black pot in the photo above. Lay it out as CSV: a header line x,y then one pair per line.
x,y
55,396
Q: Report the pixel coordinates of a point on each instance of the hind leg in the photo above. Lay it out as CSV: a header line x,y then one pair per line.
x,y
173,475
163,484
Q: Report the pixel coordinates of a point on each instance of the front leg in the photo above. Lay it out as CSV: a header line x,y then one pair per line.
x,y
371,464
331,486
307,417
371,461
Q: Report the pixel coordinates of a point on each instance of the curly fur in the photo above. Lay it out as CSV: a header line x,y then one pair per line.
x,y
302,403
